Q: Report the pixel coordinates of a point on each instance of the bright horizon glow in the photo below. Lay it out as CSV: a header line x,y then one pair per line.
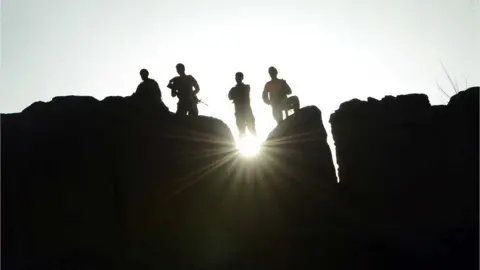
x,y
248,146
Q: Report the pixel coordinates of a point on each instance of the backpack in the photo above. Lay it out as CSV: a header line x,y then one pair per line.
x,y
286,88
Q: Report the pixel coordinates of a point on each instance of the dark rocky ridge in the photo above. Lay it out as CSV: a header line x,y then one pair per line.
x,y
109,184
410,172
83,177
301,142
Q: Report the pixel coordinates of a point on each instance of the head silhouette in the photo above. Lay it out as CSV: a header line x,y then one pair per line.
x,y
273,72
180,69
239,77
144,74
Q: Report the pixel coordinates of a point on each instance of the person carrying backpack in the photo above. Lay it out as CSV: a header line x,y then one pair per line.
x,y
275,94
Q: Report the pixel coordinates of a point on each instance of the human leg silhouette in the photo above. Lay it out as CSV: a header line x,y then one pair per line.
x,y
240,117
181,108
277,113
250,122
193,109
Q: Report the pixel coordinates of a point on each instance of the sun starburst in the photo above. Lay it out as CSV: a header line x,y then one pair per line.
x,y
248,146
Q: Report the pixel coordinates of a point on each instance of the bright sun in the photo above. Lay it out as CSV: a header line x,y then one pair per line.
x,y
248,146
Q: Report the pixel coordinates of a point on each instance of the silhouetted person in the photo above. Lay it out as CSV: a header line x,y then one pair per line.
x,y
240,95
148,91
186,88
275,94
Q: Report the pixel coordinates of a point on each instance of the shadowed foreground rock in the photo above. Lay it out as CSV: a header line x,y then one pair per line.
x,y
87,183
300,143
409,172
90,184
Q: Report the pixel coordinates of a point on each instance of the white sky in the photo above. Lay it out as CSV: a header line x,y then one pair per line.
x,y
329,51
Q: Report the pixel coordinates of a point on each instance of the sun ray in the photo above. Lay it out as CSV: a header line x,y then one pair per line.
x,y
196,176
296,138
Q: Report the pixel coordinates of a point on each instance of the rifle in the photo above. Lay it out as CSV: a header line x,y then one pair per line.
x,y
197,100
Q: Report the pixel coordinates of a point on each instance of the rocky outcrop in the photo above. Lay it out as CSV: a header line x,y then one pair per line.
x,y
115,184
409,171
84,179
112,184
300,144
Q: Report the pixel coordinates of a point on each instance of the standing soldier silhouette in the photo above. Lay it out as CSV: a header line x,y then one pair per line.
x,y
186,88
240,95
275,94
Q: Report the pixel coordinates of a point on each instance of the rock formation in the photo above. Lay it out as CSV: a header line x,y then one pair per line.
x,y
82,177
409,171
112,184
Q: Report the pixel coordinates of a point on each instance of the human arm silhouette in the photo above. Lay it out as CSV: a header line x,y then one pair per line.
x,y
196,87
286,87
265,95
172,87
135,94
230,94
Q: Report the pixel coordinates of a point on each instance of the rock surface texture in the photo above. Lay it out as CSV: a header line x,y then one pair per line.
x,y
409,173
115,184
